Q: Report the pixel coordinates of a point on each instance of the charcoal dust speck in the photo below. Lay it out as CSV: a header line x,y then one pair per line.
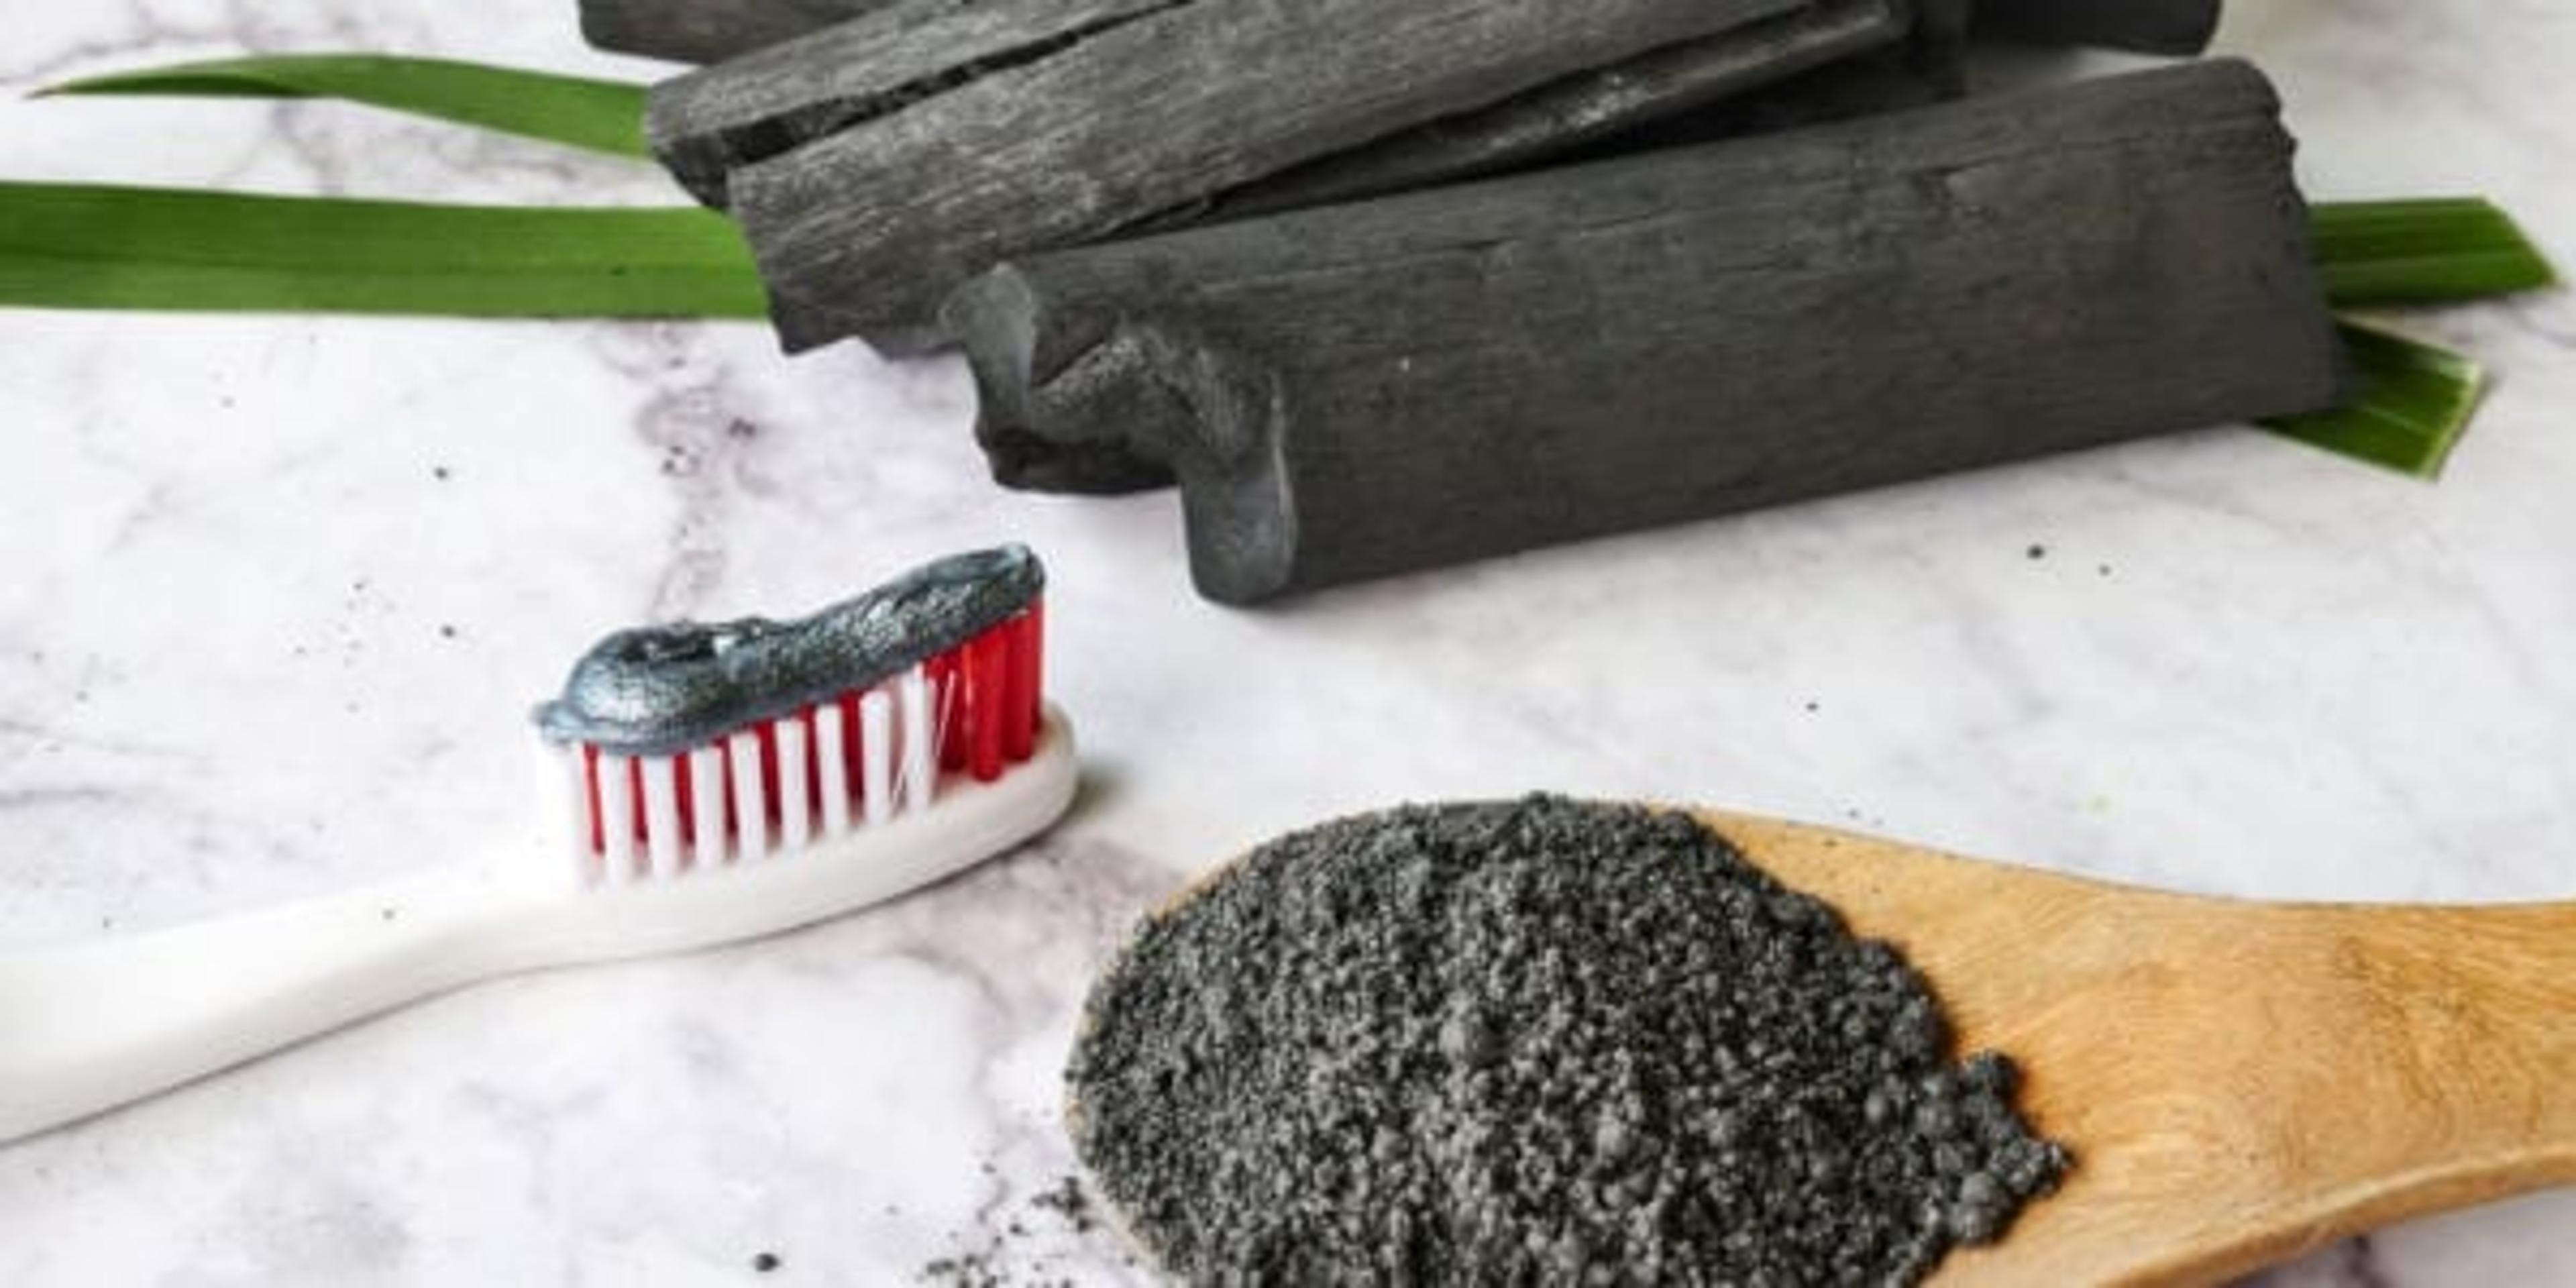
x,y
1529,1042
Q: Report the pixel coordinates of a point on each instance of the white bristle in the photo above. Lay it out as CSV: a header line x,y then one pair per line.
x,y
919,736
662,839
616,819
876,756
795,819
889,763
750,797
706,807
832,761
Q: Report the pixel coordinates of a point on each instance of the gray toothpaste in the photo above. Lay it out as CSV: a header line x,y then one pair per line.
x,y
658,690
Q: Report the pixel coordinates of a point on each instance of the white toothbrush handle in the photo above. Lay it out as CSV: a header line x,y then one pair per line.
x,y
91,1026
86,1027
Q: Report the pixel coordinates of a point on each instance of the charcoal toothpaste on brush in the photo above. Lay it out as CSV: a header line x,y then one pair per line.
x,y
707,784
1453,375
684,728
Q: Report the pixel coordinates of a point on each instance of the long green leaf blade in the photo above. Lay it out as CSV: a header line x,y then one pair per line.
x,y
604,116
98,247
2413,402
2423,252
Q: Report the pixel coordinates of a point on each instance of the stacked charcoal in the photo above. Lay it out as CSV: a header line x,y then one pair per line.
x,y
1390,284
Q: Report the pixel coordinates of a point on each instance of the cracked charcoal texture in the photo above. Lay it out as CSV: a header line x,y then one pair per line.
x,y
1026,124
1350,392
1586,109
706,31
706,124
1534,1042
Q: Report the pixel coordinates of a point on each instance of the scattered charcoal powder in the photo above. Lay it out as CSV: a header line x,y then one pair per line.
x,y
1534,1042
1068,1200
1015,1256
965,1270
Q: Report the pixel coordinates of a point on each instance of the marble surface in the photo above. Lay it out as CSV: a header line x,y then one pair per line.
x,y
279,591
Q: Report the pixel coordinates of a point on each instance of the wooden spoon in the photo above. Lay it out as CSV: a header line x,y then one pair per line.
x,y
2239,1082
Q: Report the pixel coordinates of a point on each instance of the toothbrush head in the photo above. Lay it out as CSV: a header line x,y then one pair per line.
x,y
692,753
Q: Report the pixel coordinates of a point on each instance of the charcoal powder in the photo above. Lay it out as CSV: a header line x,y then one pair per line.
x,y
1532,1042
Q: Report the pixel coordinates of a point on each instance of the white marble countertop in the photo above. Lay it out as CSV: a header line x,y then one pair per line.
x,y
278,592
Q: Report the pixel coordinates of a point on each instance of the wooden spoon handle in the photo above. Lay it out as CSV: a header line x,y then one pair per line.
x,y
2463,1048
2367,1066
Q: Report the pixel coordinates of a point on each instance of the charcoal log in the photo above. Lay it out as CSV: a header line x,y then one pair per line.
x,y
1928,68
2180,27
1587,108
877,164
1450,375
708,31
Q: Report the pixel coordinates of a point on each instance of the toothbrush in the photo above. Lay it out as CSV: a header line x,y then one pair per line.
x,y
705,784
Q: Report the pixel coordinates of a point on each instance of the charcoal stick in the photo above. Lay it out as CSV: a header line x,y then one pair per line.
x,y
1928,68
1457,374
2180,27
878,164
707,31
1586,108
765,104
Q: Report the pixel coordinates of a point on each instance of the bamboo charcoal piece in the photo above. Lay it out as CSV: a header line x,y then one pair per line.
x,y
1871,84
2148,26
707,31
1584,108
707,124
1450,375
1028,124
1839,59
710,31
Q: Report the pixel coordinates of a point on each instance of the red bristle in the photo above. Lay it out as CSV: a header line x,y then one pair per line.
x,y
635,794
769,772
686,795
590,785
1020,703
1036,665
851,749
732,794
988,670
947,710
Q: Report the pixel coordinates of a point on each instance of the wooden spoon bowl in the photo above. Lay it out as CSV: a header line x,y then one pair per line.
x,y
2239,1082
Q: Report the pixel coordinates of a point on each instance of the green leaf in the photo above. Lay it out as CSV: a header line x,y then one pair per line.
x,y
605,116
96,247
2413,401
2423,252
